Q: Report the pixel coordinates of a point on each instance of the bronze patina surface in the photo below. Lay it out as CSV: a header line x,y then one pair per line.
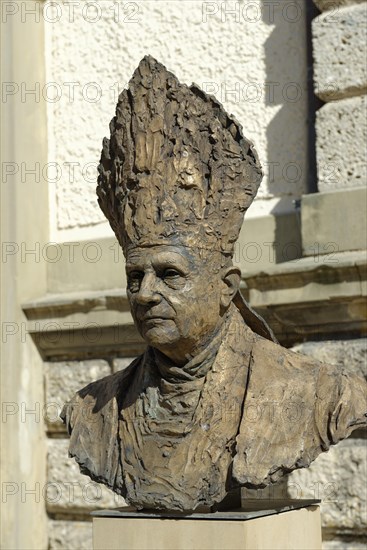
x,y
214,403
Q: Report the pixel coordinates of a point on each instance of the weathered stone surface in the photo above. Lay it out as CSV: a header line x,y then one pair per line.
x,y
345,543
70,535
121,363
63,380
341,134
69,491
339,479
335,4
350,355
323,239
339,36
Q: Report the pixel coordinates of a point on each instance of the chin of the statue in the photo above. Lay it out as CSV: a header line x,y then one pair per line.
x,y
159,332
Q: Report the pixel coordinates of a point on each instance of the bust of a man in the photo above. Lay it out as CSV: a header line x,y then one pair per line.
x,y
214,403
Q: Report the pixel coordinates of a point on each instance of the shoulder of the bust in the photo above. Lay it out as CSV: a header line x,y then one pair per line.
x,y
284,361
113,383
295,407
100,395
92,420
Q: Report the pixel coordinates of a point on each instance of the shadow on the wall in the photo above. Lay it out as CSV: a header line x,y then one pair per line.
x,y
291,132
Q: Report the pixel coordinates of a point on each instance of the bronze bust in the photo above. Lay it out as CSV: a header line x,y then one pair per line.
x,y
215,402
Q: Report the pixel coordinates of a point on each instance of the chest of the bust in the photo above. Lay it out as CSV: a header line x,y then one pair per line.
x,y
178,443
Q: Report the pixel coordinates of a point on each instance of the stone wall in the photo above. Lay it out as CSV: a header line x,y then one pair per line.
x,y
23,143
71,496
339,38
338,477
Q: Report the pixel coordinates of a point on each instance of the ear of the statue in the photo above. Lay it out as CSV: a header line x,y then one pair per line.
x,y
231,277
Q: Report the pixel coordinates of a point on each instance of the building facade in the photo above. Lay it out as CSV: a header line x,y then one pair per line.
x,y
294,74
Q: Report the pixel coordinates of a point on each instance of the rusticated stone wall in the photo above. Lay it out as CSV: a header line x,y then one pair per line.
x,y
339,36
340,82
70,495
339,477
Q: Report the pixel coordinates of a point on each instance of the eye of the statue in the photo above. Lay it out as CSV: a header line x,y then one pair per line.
x,y
134,279
171,273
135,274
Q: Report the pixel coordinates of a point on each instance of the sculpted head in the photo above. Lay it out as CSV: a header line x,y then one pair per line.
x,y
175,180
179,296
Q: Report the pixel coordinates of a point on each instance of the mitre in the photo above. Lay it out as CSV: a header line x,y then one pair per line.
x,y
177,169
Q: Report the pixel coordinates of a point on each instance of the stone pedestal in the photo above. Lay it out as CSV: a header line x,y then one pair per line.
x,y
294,526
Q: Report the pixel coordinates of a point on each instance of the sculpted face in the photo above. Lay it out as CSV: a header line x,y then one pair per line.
x,y
178,297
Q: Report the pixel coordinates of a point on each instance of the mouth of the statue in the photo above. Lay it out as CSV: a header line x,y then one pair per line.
x,y
155,318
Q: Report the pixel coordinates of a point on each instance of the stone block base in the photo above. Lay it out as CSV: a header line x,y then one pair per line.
x,y
293,529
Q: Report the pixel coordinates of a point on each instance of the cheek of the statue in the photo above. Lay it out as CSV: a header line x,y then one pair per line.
x,y
194,313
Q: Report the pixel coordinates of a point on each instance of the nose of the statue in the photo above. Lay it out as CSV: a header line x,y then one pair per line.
x,y
147,293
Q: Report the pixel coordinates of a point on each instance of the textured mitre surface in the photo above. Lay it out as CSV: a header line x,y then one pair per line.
x,y
177,169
